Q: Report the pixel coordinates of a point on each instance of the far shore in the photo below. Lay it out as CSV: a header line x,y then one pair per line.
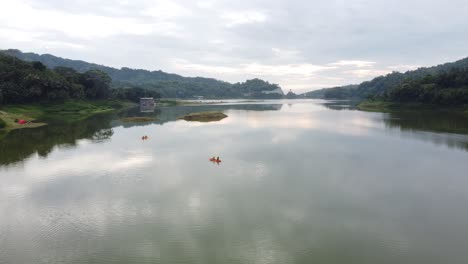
x,y
386,107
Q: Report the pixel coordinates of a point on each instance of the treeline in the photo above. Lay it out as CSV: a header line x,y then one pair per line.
x,y
443,84
340,92
446,88
29,82
257,88
167,84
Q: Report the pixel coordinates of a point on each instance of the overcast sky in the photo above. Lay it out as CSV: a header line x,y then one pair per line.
x,y
301,45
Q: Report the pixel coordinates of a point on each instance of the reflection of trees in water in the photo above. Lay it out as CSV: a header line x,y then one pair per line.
x,y
20,144
171,113
439,127
102,135
341,105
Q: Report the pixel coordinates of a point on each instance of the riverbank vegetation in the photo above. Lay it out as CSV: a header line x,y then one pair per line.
x,y
443,86
69,111
30,91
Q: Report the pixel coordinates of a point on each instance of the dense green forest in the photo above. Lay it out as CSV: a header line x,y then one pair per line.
x,y
167,84
445,88
341,92
29,82
445,84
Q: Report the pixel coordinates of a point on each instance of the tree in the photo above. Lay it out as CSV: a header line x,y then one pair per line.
x,y
39,66
96,84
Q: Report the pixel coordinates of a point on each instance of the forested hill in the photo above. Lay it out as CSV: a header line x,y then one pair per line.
x,y
340,92
167,84
430,83
31,82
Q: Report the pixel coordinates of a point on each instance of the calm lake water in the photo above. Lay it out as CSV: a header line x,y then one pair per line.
x,y
300,182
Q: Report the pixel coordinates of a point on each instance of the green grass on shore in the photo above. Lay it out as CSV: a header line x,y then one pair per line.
x,y
68,111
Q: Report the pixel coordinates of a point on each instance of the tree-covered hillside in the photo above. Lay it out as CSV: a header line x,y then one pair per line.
x,y
30,82
340,92
167,84
444,88
390,85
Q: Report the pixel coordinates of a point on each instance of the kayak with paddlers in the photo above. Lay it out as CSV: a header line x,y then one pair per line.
x,y
217,160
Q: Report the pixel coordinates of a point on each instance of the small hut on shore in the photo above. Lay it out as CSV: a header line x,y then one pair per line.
x,y
147,104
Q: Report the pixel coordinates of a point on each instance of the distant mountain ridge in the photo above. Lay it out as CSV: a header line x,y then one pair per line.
x,y
384,84
167,84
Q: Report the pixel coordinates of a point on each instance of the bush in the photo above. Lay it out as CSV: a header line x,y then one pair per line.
x,y
2,123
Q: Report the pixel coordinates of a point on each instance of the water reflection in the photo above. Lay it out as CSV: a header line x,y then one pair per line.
x,y
300,185
449,128
20,144
167,114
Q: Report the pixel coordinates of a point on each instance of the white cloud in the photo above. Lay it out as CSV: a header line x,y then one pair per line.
x,y
187,66
356,63
285,69
367,73
303,69
404,67
22,17
236,18
205,4
166,9
286,54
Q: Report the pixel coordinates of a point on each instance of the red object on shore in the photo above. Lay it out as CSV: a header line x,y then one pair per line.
x,y
22,122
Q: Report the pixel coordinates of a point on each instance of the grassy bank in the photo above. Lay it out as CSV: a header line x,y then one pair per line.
x,y
204,116
68,111
386,107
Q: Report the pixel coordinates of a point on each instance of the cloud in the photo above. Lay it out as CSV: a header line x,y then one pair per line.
x,y
19,16
163,10
236,18
286,69
298,44
356,63
303,69
205,4
404,67
368,73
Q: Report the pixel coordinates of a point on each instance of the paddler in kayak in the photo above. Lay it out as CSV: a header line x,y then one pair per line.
x,y
213,159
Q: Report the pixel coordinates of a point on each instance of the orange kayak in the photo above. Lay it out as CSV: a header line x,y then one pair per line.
x,y
215,160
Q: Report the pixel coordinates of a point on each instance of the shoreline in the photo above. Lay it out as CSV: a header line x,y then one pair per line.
x,y
388,107
69,111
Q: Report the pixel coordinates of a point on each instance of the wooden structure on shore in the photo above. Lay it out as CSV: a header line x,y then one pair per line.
x,y
147,104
